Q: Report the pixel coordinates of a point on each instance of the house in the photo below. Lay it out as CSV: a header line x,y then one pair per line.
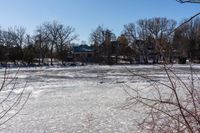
x,y
83,53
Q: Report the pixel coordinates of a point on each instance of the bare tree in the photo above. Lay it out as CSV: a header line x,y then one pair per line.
x,y
152,33
188,1
13,98
65,37
2,47
124,49
159,29
41,43
101,38
186,40
13,40
171,105
107,45
130,33
59,37
52,31
144,40
96,39
29,51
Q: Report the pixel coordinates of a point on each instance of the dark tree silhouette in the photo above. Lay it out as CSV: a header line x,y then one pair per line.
x,y
188,1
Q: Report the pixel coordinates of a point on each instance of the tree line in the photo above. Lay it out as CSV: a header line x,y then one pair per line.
x,y
51,40
146,41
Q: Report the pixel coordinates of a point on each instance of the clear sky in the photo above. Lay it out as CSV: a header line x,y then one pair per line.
x,y
86,15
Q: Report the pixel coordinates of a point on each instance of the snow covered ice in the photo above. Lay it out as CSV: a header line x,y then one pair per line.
x,y
78,99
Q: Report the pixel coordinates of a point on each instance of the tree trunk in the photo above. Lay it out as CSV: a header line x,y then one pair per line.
x,y
51,55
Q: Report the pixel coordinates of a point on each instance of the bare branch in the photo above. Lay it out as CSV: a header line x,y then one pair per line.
x,y
188,1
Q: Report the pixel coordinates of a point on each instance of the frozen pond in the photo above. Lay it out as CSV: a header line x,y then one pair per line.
x,y
80,99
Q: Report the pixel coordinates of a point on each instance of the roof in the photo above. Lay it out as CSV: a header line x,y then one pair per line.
x,y
82,48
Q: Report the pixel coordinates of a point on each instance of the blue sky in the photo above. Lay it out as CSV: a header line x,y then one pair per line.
x,y
86,15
